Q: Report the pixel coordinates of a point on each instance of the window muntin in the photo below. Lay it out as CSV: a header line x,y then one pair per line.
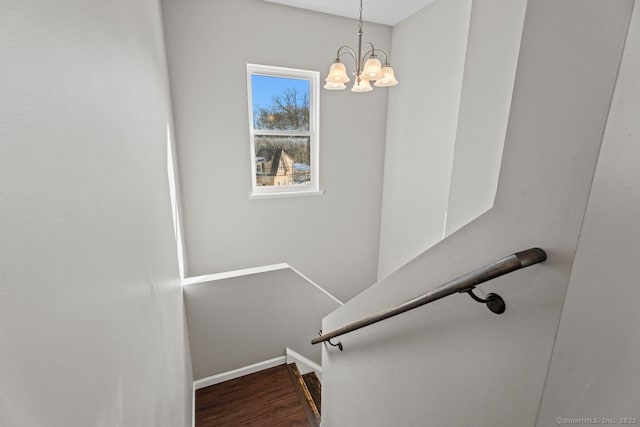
x,y
283,128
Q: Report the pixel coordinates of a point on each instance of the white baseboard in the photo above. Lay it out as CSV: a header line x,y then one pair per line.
x,y
304,364
240,372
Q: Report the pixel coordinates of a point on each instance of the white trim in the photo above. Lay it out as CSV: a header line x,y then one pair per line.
x,y
284,193
240,372
193,407
316,285
304,364
235,273
255,270
444,226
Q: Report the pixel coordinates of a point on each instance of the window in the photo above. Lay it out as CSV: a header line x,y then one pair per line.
x,y
283,130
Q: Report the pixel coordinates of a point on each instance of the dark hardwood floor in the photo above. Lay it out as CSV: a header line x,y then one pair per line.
x,y
267,398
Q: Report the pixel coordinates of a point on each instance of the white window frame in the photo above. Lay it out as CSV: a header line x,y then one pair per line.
x,y
259,192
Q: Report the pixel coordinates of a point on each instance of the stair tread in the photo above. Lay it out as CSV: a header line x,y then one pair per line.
x,y
314,387
305,395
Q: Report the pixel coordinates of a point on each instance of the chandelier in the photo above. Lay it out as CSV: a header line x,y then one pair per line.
x,y
368,67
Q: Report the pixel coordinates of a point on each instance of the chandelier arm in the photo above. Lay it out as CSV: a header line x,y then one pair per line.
x,y
349,52
370,53
386,58
367,54
373,49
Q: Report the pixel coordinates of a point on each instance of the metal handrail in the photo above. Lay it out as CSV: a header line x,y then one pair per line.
x,y
465,283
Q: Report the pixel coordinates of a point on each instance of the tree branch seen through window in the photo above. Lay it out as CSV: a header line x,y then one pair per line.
x,y
288,111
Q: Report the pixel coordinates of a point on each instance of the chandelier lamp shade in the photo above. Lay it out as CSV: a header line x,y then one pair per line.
x,y
368,67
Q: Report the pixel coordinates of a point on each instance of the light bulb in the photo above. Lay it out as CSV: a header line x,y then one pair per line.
x,y
372,69
334,86
361,86
337,73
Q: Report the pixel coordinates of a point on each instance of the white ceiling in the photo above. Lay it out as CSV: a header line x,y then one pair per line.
x,y
388,12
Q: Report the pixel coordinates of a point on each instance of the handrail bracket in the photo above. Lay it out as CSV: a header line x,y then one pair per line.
x,y
494,302
339,344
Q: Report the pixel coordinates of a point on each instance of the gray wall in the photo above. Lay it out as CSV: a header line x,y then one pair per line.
x,y
453,363
428,54
239,321
91,314
489,73
594,368
331,238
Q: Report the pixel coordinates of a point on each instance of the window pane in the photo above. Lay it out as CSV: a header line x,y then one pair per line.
x,y
280,103
282,160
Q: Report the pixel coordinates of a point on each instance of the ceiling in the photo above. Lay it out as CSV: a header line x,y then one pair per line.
x,y
388,12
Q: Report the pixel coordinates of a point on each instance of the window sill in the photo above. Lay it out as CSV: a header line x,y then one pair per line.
x,y
255,196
